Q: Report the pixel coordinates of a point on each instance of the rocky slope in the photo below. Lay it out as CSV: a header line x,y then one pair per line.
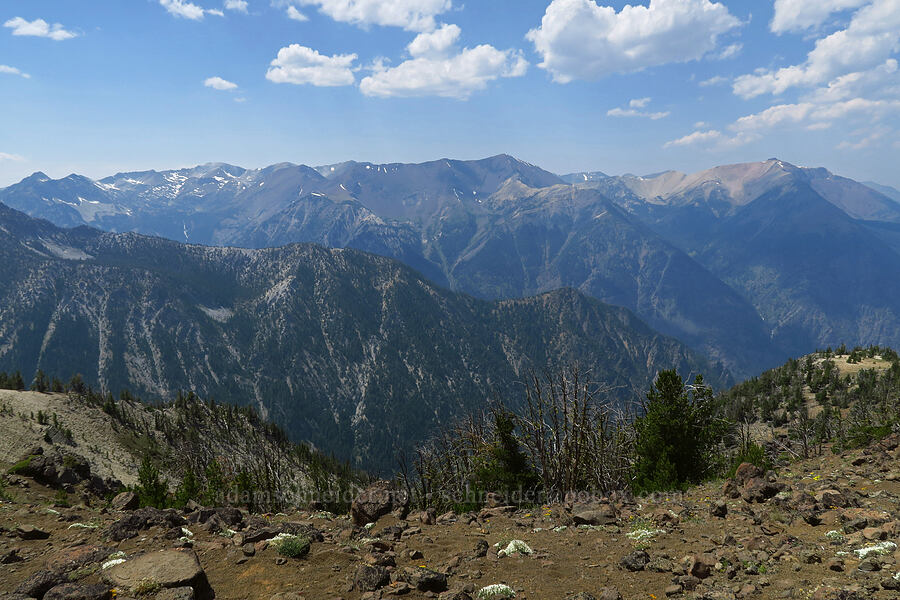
x,y
92,446
355,353
821,529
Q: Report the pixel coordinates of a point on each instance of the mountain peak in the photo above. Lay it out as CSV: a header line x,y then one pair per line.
x,y
37,176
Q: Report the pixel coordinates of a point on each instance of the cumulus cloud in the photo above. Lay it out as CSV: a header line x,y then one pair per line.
x,y
579,39
412,15
437,69
217,83
39,28
236,5
633,110
872,36
301,65
436,42
7,70
799,15
188,10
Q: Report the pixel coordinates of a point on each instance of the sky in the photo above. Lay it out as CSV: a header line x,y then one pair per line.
x,y
107,86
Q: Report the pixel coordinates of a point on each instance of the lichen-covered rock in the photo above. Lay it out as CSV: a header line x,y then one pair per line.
x,y
166,568
369,578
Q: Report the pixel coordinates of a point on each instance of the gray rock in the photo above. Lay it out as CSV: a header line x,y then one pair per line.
x,y
424,580
376,501
40,583
125,501
181,593
636,561
168,568
30,532
609,593
77,591
369,578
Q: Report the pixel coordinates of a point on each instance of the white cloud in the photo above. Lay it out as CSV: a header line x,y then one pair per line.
x,y
698,137
633,110
579,39
715,80
11,157
301,65
881,81
188,10
6,69
412,15
435,71
730,51
236,5
295,14
799,15
862,143
436,42
39,28
872,36
217,83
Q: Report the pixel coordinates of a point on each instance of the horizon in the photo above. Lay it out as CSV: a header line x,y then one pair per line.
x,y
317,167
256,82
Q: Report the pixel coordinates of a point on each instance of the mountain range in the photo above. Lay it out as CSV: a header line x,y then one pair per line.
x,y
356,353
745,263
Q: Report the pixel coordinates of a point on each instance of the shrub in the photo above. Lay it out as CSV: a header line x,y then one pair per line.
x,y
20,467
291,546
751,453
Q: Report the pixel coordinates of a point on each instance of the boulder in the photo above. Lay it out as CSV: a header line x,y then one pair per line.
x,y
759,490
130,525
76,591
30,532
181,593
378,500
166,568
369,578
636,561
719,509
77,557
424,580
603,514
702,565
38,584
125,501
747,471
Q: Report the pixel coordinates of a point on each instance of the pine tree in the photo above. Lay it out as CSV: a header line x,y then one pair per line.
x,y
505,467
151,490
676,436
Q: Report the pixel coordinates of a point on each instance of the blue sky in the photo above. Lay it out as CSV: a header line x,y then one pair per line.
x,y
111,85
